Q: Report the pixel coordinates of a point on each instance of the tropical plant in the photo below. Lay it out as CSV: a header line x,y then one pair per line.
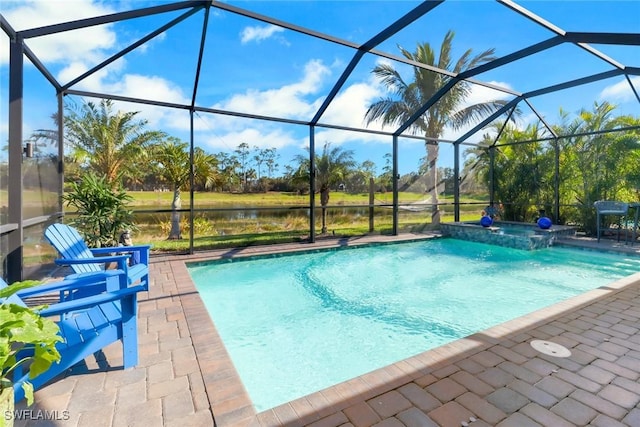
x,y
174,164
102,211
523,173
108,142
449,111
331,168
25,338
596,164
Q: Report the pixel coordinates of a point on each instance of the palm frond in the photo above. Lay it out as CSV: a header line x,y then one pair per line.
x,y
474,113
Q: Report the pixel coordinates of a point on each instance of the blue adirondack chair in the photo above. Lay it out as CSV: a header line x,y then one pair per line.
x,y
75,253
86,324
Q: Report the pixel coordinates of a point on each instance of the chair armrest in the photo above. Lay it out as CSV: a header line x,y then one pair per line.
x,y
90,301
98,260
91,279
143,250
122,260
136,248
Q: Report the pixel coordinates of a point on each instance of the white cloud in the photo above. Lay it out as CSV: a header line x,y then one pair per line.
x,y
94,82
620,92
481,94
84,45
258,34
294,101
138,86
152,88
258,136
348,109
350,106
288,101
148,87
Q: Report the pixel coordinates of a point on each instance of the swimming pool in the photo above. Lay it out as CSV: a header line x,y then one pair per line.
x,y
299,323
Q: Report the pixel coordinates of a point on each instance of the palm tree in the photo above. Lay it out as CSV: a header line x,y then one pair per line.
x,y
408,97
332,168
172,156
109,142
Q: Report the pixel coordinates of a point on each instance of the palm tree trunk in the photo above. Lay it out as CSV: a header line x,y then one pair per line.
x,y
176,205
324,221
432,160
324,201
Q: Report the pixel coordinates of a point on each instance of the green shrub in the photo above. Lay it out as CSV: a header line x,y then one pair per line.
x,y
102,211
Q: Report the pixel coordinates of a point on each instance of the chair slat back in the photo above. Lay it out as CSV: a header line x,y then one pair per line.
x,y
70,244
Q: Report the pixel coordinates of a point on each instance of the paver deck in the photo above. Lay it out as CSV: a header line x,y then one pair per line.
x,y
493,378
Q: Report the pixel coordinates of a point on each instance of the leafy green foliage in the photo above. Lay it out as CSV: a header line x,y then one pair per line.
x,y
111,143
598,166
25,337
102,211
593,164
523,174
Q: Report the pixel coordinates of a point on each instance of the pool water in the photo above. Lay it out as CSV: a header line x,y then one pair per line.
x,y
296,324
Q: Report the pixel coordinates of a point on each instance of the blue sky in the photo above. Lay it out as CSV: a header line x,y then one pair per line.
x,y
253,67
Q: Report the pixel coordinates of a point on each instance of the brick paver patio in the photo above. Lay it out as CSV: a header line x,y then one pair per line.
x,y
492,378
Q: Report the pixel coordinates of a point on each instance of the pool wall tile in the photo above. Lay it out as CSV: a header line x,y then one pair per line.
x,y
509,234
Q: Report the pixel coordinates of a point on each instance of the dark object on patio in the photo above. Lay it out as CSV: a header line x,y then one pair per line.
x,y
86,324
613,208
82,259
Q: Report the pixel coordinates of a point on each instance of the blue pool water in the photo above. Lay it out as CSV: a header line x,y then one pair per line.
x,y
296,324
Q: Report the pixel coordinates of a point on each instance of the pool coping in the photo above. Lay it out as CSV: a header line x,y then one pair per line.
x,y
232,406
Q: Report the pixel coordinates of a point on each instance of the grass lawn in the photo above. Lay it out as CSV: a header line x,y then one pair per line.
x,y
163,199
212,233
248,232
